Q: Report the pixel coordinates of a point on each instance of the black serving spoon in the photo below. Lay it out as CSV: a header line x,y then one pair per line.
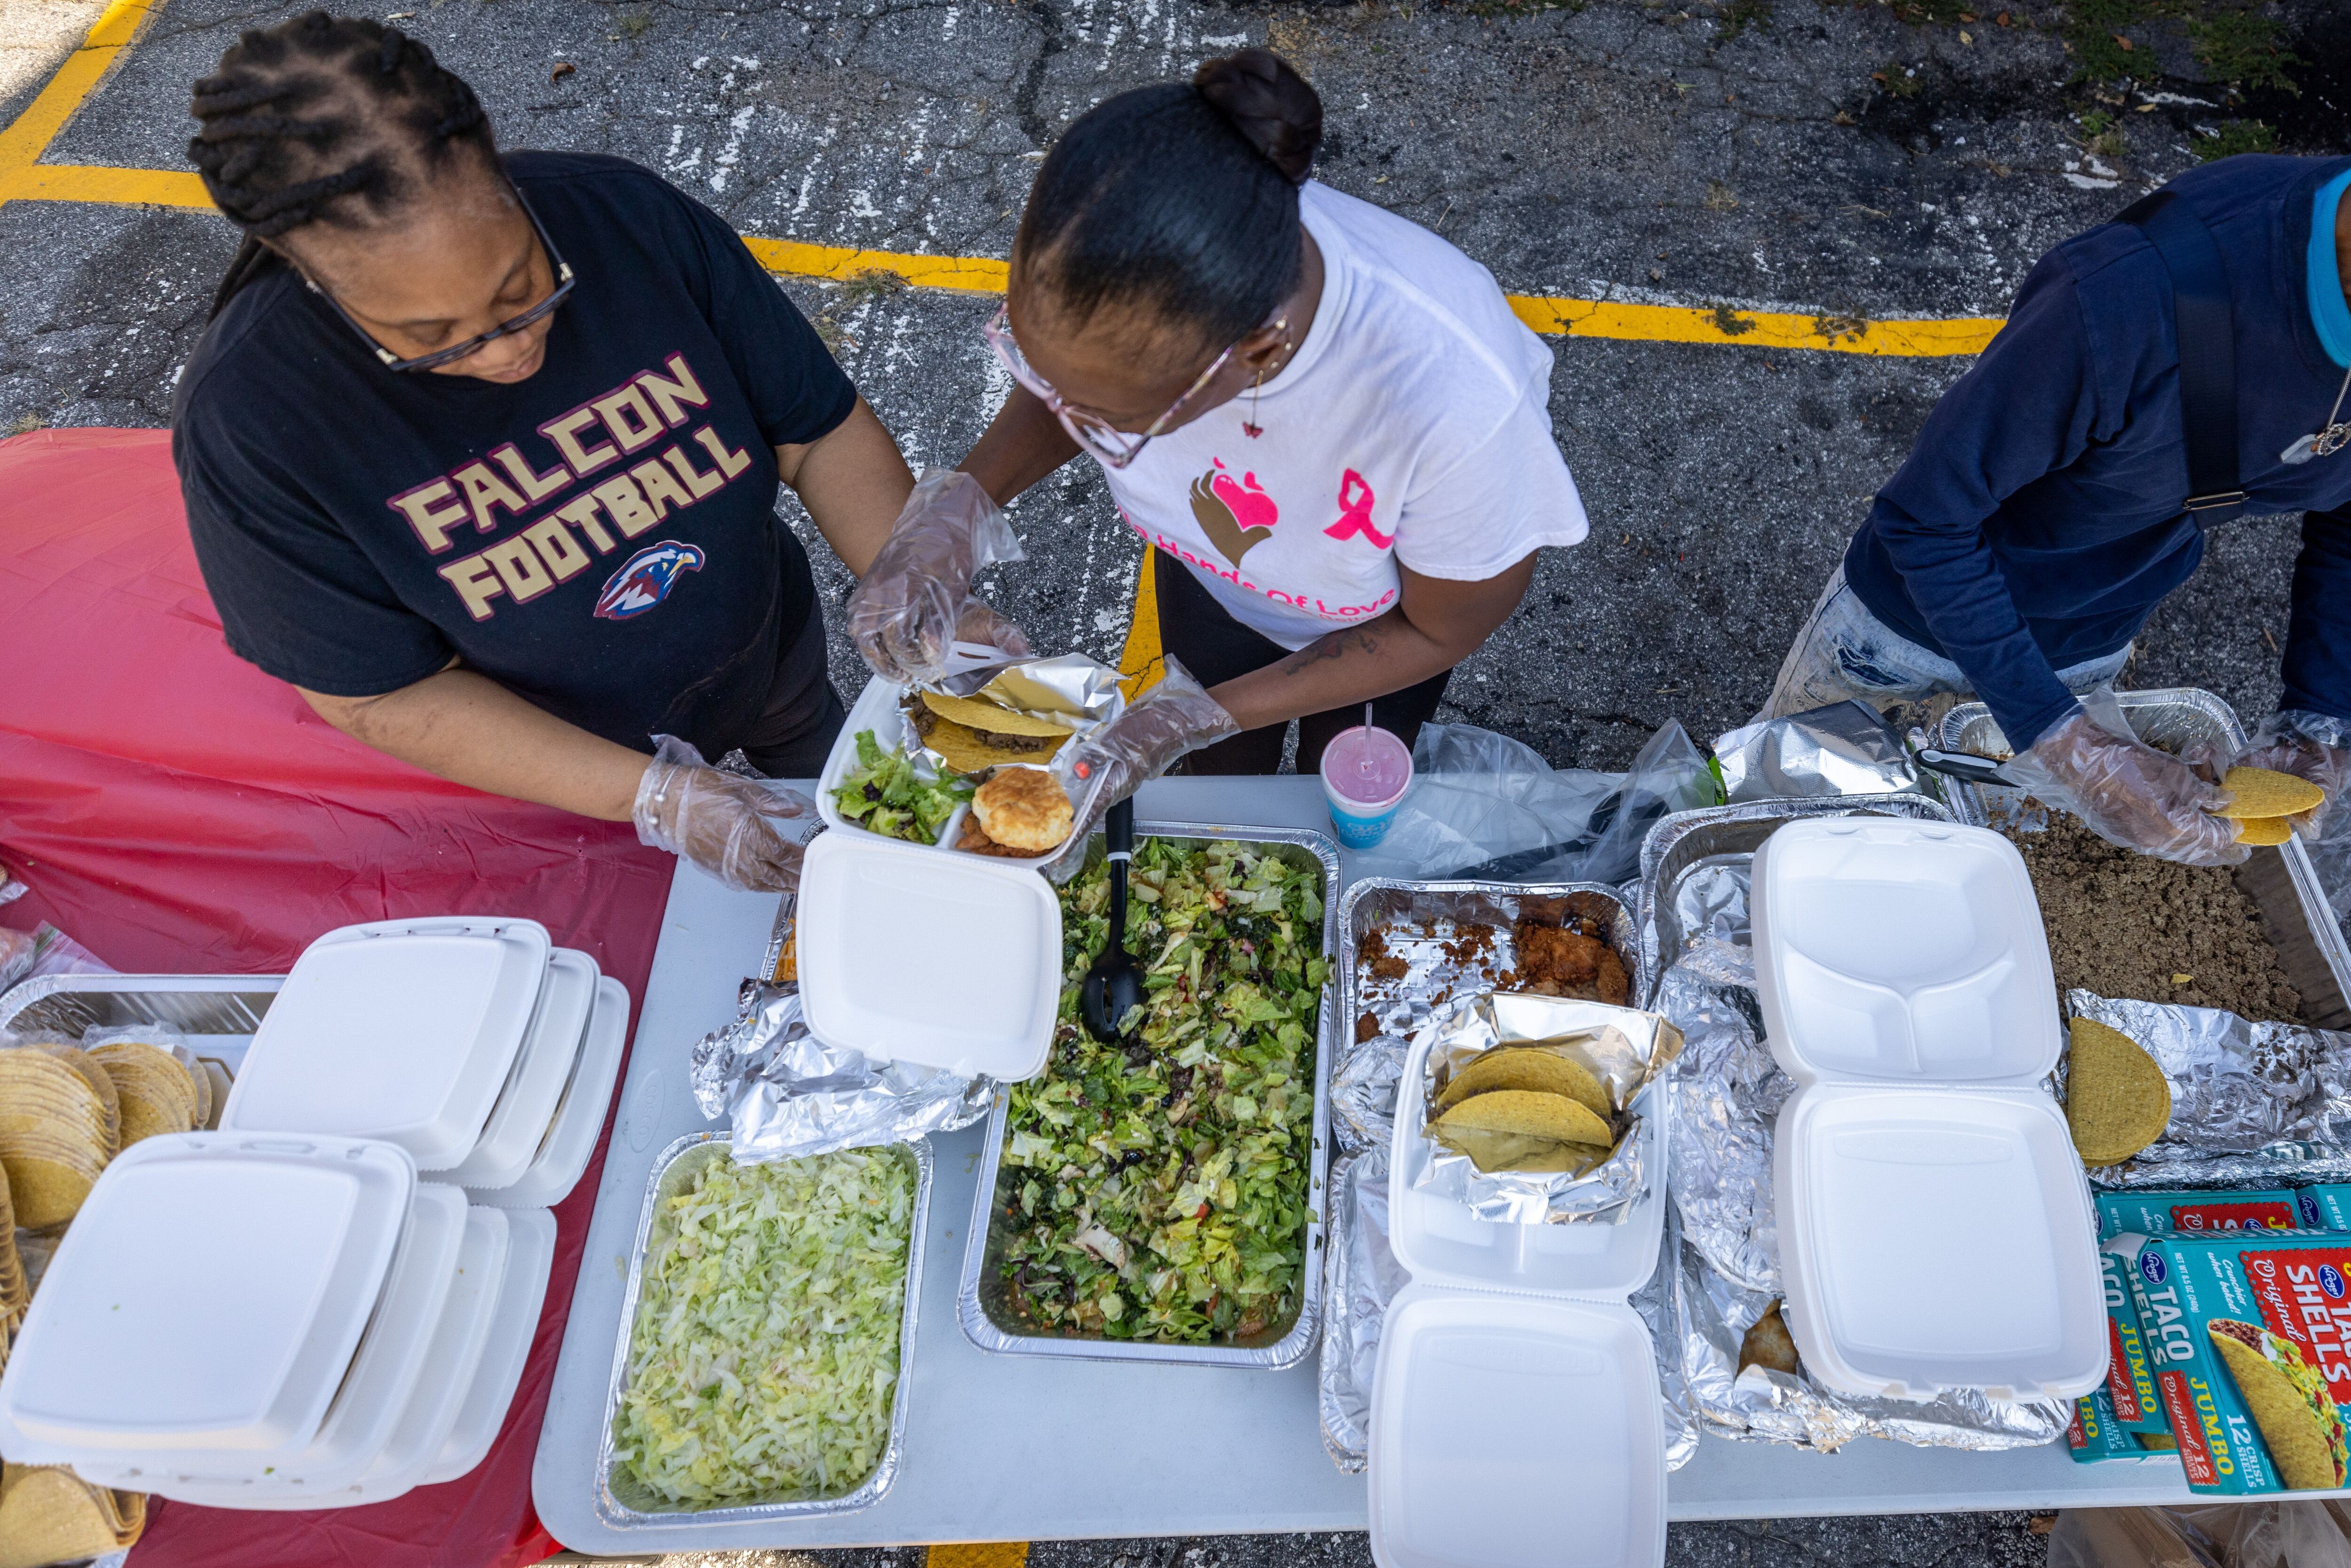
x,y
1114,985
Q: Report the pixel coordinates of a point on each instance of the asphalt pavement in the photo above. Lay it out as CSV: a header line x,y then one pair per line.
x,y
1854,163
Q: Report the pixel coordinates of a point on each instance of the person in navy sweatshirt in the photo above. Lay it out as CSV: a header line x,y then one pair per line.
x,y
2042,515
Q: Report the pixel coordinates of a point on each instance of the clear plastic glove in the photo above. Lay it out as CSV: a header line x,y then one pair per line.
x,y
915,600
717,821
2130,794
2312,746
1173,717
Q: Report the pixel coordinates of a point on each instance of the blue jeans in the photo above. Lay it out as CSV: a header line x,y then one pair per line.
x,y
1844,653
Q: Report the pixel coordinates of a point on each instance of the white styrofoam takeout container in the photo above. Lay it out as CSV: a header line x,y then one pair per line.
x,y
570,1141
879,708
399,1029
1515,1414
270,1254
514,1321
975,991
519,1122
1935,1229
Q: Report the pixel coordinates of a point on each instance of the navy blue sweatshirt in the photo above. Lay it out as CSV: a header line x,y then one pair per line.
x,y
2040,519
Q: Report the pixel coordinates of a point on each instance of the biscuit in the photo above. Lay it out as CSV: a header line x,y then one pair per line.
x,y
1023,809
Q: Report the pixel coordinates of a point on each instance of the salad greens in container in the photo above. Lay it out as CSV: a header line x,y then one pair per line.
x,y
1159,1197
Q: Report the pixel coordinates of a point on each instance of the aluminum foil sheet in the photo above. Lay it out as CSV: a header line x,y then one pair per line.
x,y
1363,1093
1845,749
1069,688
1725,1091
1713,1314
1362,1277
785,1094
2250,1103
1628,1050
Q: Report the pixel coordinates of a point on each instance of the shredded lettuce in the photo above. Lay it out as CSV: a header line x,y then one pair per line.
x,y
764,1360
1162,1190
888,794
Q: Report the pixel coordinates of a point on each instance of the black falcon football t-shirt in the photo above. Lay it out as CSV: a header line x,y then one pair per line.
x,y
601,539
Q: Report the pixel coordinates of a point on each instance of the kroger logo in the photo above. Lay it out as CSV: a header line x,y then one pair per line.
x,y
2330,1280
2151,1265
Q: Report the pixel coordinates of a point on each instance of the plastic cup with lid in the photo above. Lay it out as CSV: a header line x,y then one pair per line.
x,y
1365,772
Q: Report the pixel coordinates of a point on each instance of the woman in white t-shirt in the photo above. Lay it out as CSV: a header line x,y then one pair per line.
x,y
1325,422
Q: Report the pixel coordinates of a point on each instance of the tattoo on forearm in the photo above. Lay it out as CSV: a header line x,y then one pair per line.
x,y
1337,645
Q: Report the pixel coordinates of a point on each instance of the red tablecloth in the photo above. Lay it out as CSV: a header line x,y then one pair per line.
x,y
176,811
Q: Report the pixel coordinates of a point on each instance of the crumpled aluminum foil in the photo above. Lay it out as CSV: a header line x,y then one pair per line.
x,y
1362,1277
1627,1049
1363,1093
786,1094
2250,1103
1713,1315
1726,1091
1845,749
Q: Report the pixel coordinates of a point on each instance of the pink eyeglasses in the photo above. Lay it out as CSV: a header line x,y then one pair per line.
x,y
1115,447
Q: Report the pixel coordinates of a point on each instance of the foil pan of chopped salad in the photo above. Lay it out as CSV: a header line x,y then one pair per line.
x,y
767,1335
1163,1199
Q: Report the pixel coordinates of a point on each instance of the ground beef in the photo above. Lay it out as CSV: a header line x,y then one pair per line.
x,y
2127,924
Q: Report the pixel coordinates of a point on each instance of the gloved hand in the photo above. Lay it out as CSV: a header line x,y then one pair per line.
x,y
2313,746
717,821
915,600
1159,727
2130,794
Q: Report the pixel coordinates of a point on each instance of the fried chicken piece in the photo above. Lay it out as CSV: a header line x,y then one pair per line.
x,y
1616,986
1551,953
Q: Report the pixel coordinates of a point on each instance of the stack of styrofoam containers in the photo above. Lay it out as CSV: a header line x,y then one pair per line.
x,y
304,1309
1935,1223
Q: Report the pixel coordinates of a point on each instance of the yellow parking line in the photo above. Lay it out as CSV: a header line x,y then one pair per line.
x,y
1139,661
23,177
978,1555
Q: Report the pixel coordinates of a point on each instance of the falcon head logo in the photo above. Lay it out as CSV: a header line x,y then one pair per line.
x,y
646,579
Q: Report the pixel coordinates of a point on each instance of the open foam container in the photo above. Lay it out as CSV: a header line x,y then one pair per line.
x,y
1515,1414
1935,1229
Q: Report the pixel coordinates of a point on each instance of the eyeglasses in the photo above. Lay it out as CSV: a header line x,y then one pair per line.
x,y
455,351
1115,447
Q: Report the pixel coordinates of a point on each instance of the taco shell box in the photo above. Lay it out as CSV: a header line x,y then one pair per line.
x,y
2133,1406
2153,1213
2094,1437
2246,1335
2326,1207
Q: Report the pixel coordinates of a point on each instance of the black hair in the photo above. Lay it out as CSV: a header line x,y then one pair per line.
x,y
1180,198
325,118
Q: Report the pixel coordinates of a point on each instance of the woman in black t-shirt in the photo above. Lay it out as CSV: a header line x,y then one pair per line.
x,y
481,453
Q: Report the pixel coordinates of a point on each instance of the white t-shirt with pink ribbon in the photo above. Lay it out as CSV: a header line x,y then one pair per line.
x,y
1412,426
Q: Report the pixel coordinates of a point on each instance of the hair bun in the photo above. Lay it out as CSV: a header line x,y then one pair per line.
x,y
1269,104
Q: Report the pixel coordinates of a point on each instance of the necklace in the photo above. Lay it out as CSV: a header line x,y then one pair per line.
x,y
2329,439
1250,426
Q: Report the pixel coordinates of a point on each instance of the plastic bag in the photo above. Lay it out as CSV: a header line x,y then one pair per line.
x,y
2269,1534
45,950
1485,808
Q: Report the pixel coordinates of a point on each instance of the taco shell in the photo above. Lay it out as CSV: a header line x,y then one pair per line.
x,y
1527,1067
975,714
2260,830
2118,1100
1530,1114
2299,1421
2264,792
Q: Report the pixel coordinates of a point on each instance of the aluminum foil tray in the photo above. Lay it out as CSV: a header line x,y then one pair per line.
x,y
1379,900
1687,842
2282,883
988,1318
621,1503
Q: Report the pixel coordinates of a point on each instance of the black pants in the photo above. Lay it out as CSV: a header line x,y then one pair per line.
x,y
1216,648
804,713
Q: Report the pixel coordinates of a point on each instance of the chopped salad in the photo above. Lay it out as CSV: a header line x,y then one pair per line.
x,y
1160,1190
764,1360
886,794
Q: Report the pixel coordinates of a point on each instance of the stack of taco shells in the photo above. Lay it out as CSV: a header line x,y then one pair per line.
x,y
1525,1108
2261,801
2249,1355
157,1091
60,1122
48,1514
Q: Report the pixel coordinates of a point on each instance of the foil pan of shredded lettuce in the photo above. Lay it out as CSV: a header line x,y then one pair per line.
x,y
765,1332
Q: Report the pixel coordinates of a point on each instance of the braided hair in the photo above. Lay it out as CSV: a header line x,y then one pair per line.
x,y
324,119
1181,197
